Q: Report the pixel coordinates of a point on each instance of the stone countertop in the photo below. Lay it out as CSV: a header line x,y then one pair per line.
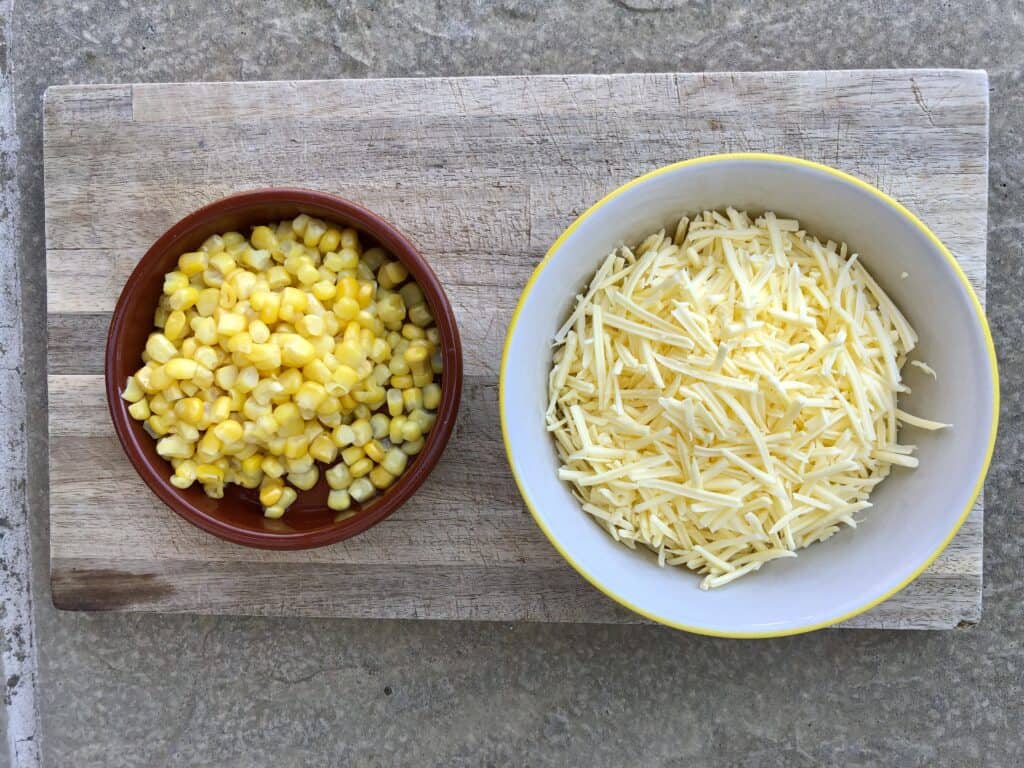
x,y
138,690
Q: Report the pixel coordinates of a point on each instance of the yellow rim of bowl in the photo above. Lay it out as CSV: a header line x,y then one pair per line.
x,y
989,345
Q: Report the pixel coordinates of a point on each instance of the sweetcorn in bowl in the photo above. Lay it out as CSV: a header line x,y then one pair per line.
x,y
239,516
915,512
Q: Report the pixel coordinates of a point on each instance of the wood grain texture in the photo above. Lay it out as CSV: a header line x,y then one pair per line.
x,y
482,174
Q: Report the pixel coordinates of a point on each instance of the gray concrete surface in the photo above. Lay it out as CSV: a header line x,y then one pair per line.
x,y
176,691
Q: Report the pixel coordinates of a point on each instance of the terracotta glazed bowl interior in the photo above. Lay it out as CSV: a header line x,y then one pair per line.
x,y
238,516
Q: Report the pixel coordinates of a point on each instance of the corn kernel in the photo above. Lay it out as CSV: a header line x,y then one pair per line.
x,y
175,324
402,382
352,454
304,480
271,492
436,363
420,316
223,263
184,474
160,348
363,431
323,449
381,478
314,230
133,391
411,332
264,237
344,436
189,409
296,351
411,431
375,451
183,298
339,477
411,294
181,368
339,500
422,379
174,282
361,490
431,396
413,399
139,410
395,461
158,425
252,463
295,446
174,446
272,466
413,447
395,429
379,423
361,467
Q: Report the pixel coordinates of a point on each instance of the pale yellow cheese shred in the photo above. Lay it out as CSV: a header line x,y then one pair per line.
x,y
727,395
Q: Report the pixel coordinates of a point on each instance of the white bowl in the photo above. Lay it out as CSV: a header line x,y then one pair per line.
x,y
916,512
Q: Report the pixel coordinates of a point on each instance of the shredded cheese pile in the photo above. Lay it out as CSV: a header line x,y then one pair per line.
x,y
727,396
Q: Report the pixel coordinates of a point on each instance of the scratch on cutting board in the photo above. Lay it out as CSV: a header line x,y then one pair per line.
x,y
919,98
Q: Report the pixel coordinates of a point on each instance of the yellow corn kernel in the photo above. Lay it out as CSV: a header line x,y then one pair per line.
x,y
213,279
381,478
416,355
412,447
274,512
299,465
352,454
264,237
411,332
422,379
434,335
259,332
272,466
231,323
395,461
339,500
139,410
395,401
310,395
184,474
293,304
278,278
363,432
436,362
374,257
189,409
183,298
361,467
310,326
252,463
342,381
348,403
291,380
380,351
329,409
365,295
208,301
181,368
304,480
189,347
411,294
228,431
423,419
431,396
296,446
338,476
223,263
174,326
323,449
226,376
288,497
265,357
160,348
413,399
420,316
158,425
402,382
158,404
287,414
270,492
346,308
311,233
411,430
361,411
343,436
133,390
207,356
395,429
203,377
296,351
220,409
391,274
174,446
193,263
330,240
375,451
159,380
361,490
209,473
379,423
397,364
175,281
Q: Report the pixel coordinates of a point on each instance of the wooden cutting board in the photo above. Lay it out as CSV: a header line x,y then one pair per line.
x,y
483,174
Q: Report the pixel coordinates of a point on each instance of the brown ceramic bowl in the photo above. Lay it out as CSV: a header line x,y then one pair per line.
x,y
238,516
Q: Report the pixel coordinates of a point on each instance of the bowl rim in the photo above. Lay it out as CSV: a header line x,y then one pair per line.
x,y
841,176
451,349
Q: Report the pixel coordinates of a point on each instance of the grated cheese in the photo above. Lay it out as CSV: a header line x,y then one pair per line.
x,y
727,395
